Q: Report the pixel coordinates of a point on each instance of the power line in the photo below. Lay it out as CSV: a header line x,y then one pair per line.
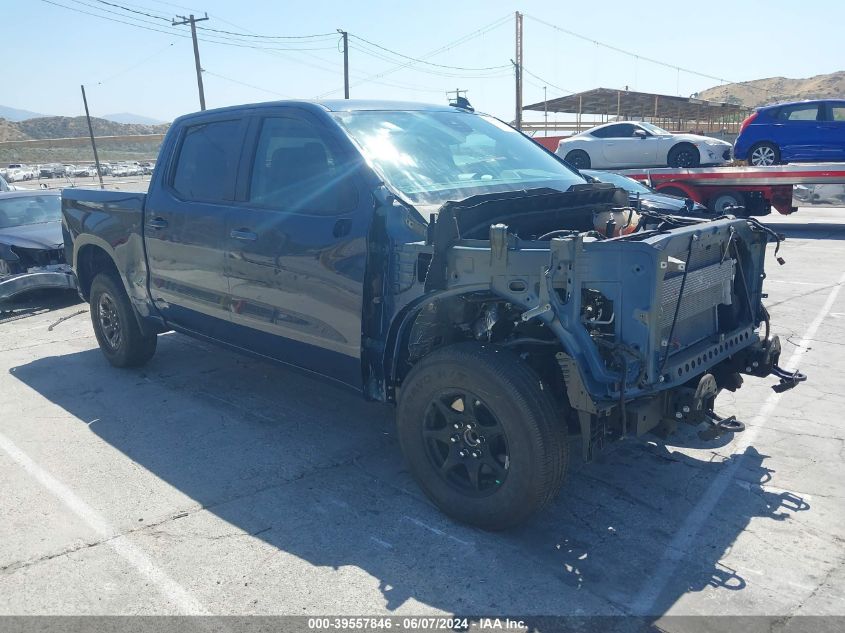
x,y
436,72
243,83
566,91
373,78
140,22
135,65
213,30
638,56
422,61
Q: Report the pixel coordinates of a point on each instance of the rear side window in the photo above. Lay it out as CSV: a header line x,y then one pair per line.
x,y
837,111
208,159
621,130
296,169
804,112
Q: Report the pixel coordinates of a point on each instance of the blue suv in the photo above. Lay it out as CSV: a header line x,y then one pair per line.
x,y
803,131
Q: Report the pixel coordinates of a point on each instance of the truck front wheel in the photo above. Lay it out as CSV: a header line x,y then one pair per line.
x,y
481,436
115,326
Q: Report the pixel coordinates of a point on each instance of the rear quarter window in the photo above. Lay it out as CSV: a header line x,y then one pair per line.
x,y
207,160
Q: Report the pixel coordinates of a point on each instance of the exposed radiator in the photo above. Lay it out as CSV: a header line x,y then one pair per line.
x,y
705,289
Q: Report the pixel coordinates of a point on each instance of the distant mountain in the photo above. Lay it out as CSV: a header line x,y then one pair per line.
x,y
64,127
777,89
15,114
128,117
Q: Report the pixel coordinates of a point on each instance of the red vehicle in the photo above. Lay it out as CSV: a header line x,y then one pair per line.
x,y
758,189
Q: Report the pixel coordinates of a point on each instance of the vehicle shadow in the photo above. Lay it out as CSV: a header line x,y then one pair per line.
x,y
37,302
315,472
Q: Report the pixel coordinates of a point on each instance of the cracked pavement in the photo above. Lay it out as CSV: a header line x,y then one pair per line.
x,y
259,490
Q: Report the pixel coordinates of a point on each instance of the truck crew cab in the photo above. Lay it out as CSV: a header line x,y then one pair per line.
x,y
436,259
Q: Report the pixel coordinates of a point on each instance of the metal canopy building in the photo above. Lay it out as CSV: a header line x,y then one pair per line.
x,y
673,113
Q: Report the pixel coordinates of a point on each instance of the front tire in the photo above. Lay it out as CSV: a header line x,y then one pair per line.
x,y
684,156
480,434
763,155
578,158
115,325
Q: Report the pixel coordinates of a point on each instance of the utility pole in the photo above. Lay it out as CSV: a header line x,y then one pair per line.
x,y
518,71
193,22
345,63
545,110
91,134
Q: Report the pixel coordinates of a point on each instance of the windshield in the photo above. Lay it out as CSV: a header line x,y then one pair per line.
x,y
618,180
653,129
433,157
22,210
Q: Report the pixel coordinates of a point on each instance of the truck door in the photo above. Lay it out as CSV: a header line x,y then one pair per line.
x,y
296,247
185,226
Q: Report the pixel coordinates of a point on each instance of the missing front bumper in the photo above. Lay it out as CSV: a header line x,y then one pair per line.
x,y
36,280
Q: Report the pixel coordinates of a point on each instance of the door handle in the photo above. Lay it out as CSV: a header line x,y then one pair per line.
x,y
157,223
243,234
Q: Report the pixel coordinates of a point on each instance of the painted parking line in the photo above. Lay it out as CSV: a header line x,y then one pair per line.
x,y
679,546
169,588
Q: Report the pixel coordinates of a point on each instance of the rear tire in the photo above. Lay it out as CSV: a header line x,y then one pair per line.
x,y
763,155
684,156
578,158
480,434
116,326
719,202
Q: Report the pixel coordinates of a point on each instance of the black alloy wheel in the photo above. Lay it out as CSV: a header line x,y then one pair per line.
x,y
109,321
465,443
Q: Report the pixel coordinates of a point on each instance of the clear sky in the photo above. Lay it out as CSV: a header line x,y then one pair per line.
x,y
48,50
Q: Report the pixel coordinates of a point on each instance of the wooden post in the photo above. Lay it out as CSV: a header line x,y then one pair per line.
x,y
91,134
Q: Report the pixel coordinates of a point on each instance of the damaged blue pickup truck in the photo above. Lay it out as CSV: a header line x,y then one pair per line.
x,y
438,259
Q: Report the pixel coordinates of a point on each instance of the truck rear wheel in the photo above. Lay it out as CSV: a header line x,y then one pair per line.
x,y
115,326
481,436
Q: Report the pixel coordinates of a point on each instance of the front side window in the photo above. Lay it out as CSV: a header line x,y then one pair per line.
x,y
208,159
799,113
431,157
654,129
295,169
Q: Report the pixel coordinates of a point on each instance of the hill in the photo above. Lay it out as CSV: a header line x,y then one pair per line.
x,y
15,114
129,117
63,127
776,89
68,127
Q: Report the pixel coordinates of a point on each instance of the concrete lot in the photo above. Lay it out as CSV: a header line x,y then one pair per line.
x,y
209,482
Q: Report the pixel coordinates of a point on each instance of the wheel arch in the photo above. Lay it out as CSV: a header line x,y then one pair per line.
x,y
681,144
91,259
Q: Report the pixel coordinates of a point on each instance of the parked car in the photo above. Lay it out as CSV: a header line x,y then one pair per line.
x,y
641,196
803,131
640,144
52,170
5,186
19,171
32,252
433,258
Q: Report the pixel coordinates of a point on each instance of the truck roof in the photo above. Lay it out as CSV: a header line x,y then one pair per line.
x,y
333,105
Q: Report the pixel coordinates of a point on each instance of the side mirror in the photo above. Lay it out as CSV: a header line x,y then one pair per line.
x,y
640,133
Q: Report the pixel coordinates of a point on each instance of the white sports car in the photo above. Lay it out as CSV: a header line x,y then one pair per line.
x,y
640,144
